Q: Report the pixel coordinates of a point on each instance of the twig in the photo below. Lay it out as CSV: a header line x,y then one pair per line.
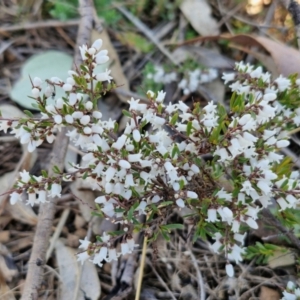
x,y
161,280
148,33
47,210
141,273
273,221
42,24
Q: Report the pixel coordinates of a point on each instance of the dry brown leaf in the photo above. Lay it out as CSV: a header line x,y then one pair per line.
x,y
267,293
20,211
286,59
77,282
199,15
115,65
281,259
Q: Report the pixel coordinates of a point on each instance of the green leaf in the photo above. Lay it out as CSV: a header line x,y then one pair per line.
x,y
28,113
189,128
44,173
56,170
165,235
126,113
174,119
173,226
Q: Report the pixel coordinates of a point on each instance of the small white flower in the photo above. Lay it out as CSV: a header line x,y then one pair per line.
x,y
14,198
180,203
67,87
212,215
84,120
101,57
89,105
69,119
192,195
282,143
229,270
31,198
104,76
37,82
136,135
55,190
97,114
100,256
42,197
35,92
58,119
97,44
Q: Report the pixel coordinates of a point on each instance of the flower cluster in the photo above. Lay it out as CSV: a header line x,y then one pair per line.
x,y
291,292
159,163
189,83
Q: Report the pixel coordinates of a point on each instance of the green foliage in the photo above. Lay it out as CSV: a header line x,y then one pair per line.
x,y
64,10
262,252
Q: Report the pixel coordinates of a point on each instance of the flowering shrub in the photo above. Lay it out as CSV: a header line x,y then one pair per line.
x,y
155,170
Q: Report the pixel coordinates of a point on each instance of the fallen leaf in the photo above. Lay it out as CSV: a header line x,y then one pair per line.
x,y
267,293
45,66
199,14
281,259
77,282
286,59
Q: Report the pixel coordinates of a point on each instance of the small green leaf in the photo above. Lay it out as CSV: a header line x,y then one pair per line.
x,y
126,113
173,226
28,113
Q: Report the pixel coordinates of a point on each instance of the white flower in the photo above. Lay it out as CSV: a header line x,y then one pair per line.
x,y
104,76
42,198
58,119
89,105
14,198
119,144
283,83
212,215
31,198
83,51
37,82
82,257
101,57
136,135
192,195
35,92
251,223
141,208
67,87
229,270
247,187
160,96
97,44
25,176
69,119
84,120
84,244
282,143
110,173
100,256
112,255
228,77
135,105
124,164
180,203
55,190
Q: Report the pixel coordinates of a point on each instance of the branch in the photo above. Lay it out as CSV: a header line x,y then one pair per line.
x,y
47,210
